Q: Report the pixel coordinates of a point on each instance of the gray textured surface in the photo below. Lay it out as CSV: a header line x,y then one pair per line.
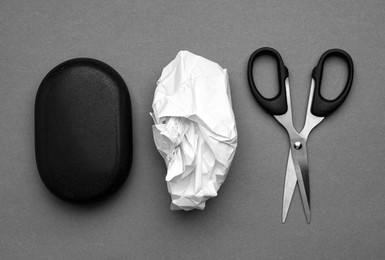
x,y
138,38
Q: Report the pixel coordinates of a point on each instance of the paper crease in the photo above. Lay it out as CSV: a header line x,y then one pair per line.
x,y
194,129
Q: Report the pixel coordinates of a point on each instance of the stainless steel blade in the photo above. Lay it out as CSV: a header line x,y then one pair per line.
x,y
302,173
290,183
298,153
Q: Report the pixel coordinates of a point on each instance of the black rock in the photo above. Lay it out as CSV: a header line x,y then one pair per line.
x,y
83,130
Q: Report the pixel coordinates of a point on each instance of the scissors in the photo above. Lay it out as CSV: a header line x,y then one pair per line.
x,y
297,170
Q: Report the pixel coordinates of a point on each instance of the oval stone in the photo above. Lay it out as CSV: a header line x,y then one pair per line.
x,y
83,130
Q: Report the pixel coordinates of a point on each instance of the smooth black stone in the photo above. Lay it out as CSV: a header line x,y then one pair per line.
x,y
83,130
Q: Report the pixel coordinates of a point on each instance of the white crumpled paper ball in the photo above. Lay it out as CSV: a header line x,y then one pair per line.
x,y
194,128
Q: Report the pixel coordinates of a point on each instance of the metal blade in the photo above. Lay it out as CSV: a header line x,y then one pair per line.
x,y
302,173
290,182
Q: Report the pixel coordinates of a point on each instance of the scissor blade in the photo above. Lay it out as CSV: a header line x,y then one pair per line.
x,y
301,170
290,182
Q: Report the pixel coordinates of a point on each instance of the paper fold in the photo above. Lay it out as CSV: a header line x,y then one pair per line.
x,y
194,128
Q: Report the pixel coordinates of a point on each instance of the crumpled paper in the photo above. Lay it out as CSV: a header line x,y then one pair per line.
x,y
194,128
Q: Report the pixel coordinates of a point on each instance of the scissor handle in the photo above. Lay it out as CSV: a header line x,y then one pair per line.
x,y
321,106
278,104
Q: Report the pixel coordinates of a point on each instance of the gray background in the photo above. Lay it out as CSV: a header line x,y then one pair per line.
x,y
138,38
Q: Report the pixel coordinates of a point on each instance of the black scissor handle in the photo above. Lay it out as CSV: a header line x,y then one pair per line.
x,y
278,104
321,106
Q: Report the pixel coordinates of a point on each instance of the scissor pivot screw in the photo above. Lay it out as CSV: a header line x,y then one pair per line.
x,y
297,145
